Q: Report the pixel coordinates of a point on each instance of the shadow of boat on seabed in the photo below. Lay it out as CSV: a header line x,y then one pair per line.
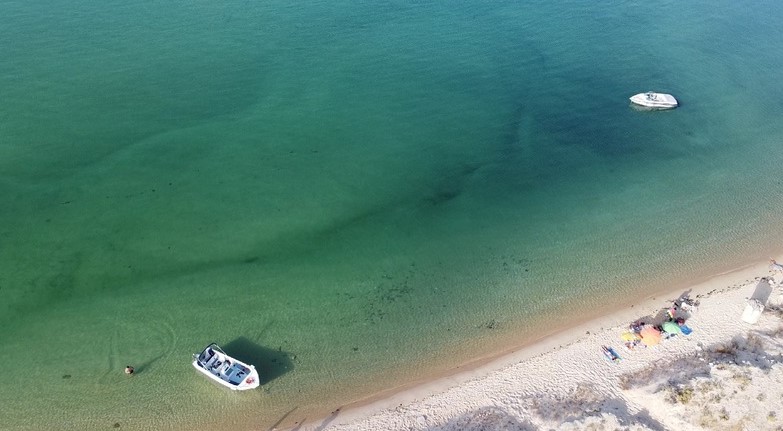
x,y
270,363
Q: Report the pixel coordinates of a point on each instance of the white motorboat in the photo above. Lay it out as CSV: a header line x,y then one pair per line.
x,y
654,100
232,373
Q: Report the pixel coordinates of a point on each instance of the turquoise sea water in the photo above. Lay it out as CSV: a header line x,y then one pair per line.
x,y
354,196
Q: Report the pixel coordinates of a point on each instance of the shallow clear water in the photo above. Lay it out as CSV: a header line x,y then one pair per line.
x,y
354,196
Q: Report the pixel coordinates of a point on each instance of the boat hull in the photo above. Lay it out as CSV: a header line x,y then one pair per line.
x,y
225,370
652,100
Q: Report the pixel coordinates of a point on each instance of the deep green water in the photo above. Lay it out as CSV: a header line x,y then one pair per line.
x,y
354,195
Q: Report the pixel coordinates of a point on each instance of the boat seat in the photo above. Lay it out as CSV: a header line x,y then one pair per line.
x,y
207,356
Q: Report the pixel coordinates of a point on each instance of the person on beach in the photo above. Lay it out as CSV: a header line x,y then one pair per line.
x,y
775,267
129,370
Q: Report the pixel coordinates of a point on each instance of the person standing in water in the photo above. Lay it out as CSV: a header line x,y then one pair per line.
x,y
129,370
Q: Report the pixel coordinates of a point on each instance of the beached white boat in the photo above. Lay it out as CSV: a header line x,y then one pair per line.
x,y
232,373
654,100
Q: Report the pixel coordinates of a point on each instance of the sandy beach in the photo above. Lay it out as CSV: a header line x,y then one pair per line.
x,y
725,374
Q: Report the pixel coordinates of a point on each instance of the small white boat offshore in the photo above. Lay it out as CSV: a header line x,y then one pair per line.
x,y
234,374
654,100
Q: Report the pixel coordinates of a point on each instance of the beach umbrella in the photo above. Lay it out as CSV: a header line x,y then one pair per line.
x,y
672,327
650,335
629,336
